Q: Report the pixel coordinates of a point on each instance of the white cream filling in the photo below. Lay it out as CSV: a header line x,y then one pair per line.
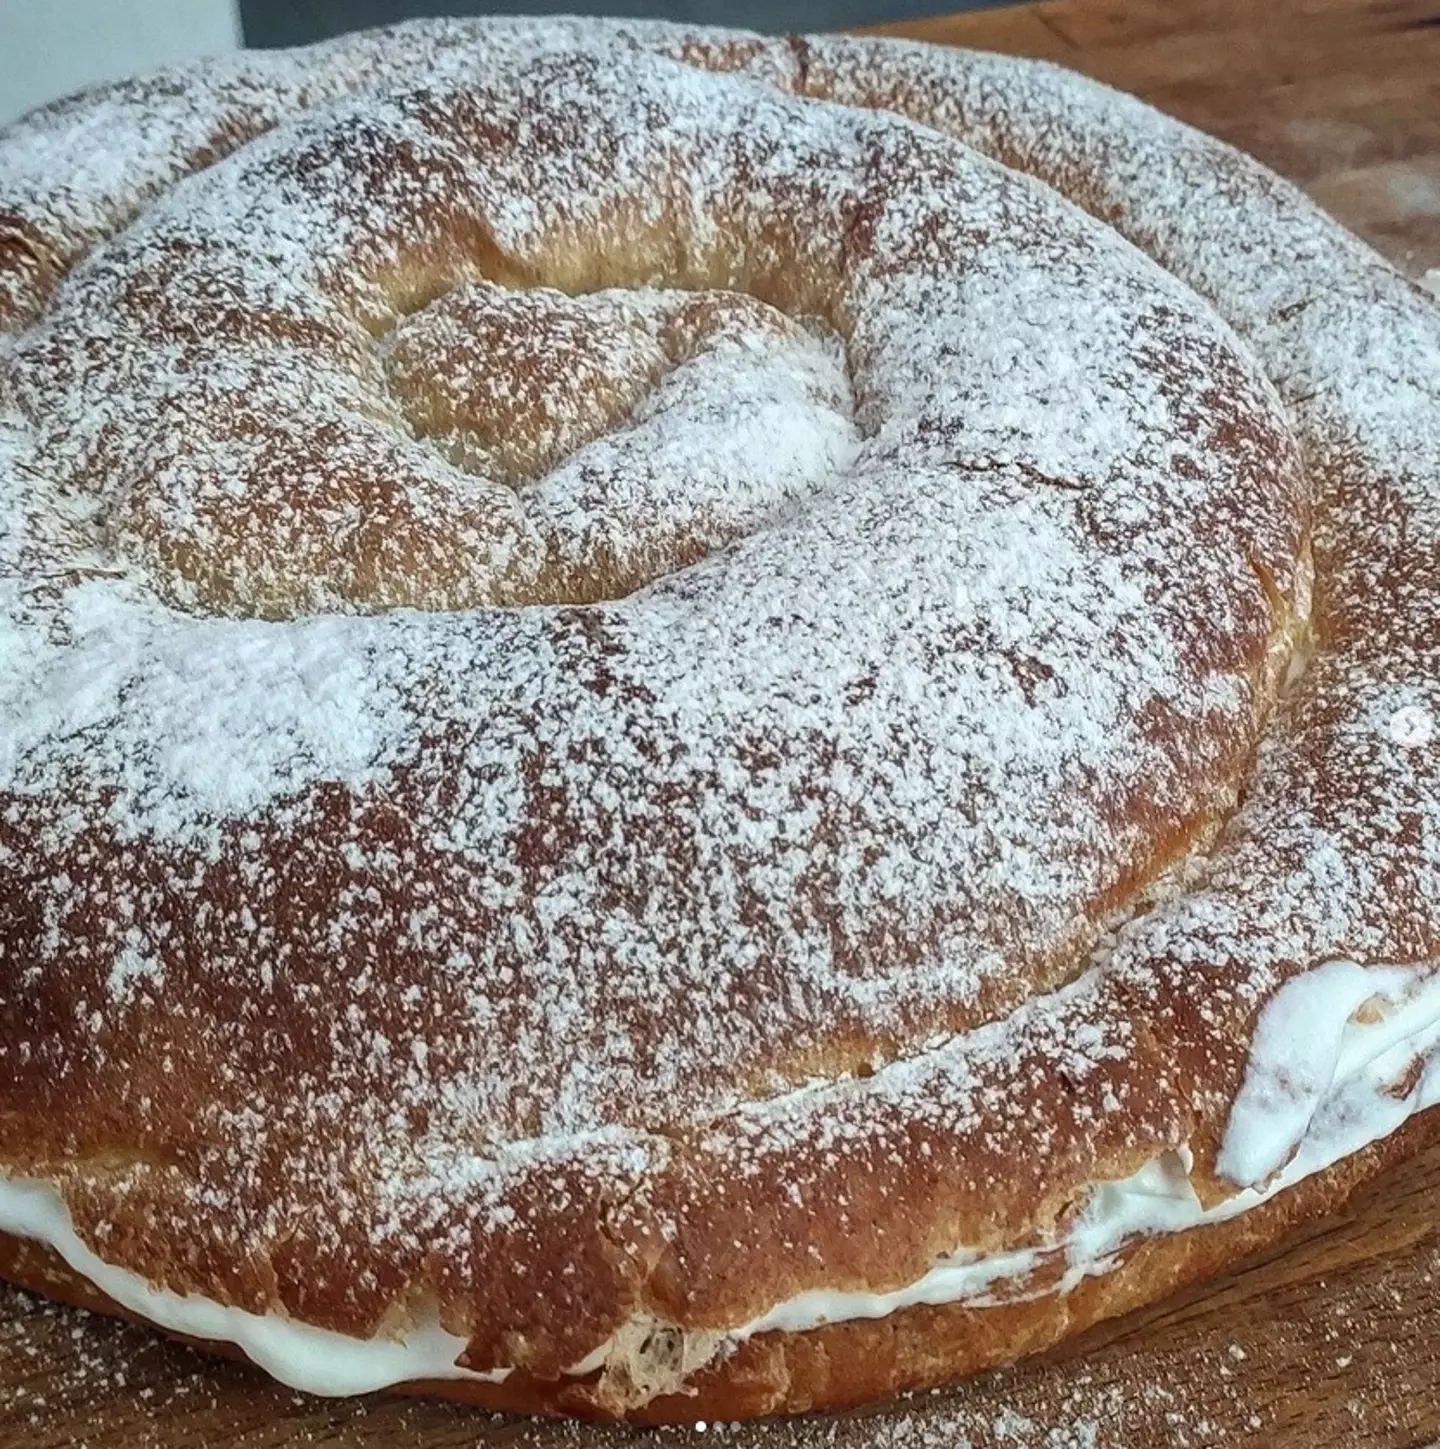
x,y
298,1354
1316,1090
1321,1084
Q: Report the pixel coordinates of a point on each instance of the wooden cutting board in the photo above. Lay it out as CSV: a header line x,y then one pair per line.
x,y
1333,1339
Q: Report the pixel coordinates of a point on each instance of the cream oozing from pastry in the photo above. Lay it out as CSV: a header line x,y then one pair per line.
x,y
1342,1056
298,1354
1328,1051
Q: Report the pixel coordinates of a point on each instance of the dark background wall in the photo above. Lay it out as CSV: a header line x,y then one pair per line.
x,y
292,22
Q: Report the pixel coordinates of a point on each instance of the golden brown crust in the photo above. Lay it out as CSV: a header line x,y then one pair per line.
x,y
758,932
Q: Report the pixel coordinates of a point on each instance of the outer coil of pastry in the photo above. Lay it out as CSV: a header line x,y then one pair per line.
x,y
656,709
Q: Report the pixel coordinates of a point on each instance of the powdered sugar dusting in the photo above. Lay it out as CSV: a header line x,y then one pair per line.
x,y
964,622
905,675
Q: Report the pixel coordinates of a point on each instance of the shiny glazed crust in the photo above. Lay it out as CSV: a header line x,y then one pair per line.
x,y
461,880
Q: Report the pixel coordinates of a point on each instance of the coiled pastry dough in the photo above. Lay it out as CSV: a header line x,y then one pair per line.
x,y
643,678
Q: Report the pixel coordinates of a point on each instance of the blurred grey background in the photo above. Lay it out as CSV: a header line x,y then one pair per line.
x,y
49,48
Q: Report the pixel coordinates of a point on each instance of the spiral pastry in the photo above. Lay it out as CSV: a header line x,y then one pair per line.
x,y
694,725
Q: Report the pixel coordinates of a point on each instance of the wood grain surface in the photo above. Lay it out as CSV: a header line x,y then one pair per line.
x,y
1342,96
1332,1338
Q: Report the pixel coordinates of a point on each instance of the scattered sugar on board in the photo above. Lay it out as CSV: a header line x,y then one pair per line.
x,y
103,1376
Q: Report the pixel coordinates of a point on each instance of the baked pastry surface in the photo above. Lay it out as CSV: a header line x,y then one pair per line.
x,y
663,727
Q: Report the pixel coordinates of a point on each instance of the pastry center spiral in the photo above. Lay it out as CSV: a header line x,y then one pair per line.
x,y
456,351
639,430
